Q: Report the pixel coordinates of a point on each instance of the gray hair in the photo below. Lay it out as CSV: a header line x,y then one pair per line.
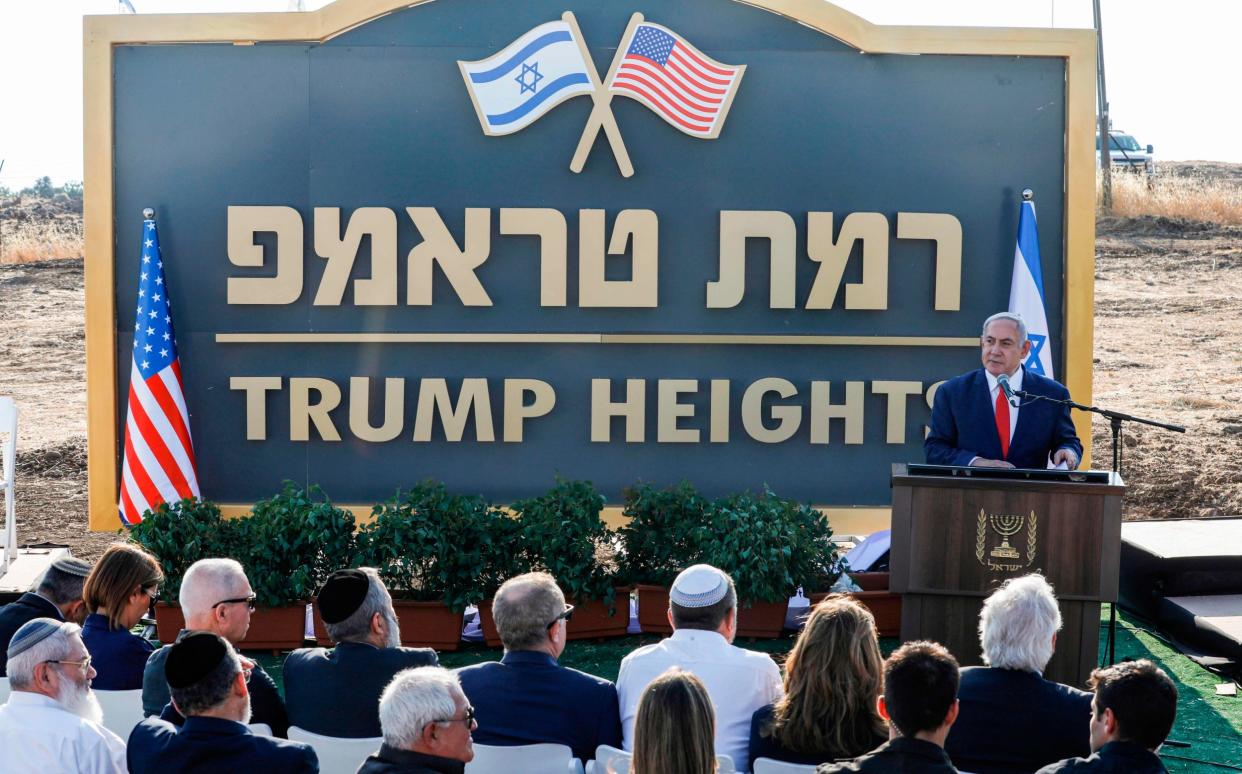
x,y
357,627
213,689
53,647
523,608
414,698
207,582
1012,317
61,587
1017,624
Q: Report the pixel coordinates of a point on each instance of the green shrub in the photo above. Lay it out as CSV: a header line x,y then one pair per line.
x,y
561,532
664,534
770,546
179,534
291,542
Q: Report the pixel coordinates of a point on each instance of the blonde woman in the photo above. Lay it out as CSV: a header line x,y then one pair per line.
x,y
675,728
119,590
832,678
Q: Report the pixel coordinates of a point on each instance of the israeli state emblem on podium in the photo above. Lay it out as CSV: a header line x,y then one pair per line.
x,y
997,530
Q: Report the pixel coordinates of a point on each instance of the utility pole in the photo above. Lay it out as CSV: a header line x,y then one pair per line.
x,y
1104,141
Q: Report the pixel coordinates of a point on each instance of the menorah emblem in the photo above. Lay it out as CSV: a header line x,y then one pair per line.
x,y
1006,525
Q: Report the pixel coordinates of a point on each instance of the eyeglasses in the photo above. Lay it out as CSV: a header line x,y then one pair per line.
x,y
151,591
567,613
248,600
247,668
468,719
84,664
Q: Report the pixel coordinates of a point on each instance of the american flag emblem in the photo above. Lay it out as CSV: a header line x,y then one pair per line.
x,y
159,457
683,86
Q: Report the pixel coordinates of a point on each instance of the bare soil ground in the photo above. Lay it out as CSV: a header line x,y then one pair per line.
x,y
1168,345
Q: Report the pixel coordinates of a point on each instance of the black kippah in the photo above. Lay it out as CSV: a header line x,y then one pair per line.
x,y
342,594
193,657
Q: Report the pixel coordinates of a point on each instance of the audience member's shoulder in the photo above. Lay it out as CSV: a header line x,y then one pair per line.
x,y
287,749
1068,765
305,656
158,655
645,650
151,728
589,679
757,659
414,656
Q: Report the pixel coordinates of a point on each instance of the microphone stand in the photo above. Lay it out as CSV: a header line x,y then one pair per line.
x,y
1115,420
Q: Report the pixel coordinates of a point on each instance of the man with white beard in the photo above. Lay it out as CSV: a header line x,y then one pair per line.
x,y
208,683
51,721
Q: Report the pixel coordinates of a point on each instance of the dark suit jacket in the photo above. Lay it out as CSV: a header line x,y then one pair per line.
x,y
963,424
336,692
16,614
1112,758
213,745
118,656
390,760
266,706
896,756
763,746
527,698
1009,720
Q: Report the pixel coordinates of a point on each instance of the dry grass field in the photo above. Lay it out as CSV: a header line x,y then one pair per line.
x,y
1168,345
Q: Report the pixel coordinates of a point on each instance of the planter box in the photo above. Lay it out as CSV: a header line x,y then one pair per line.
x,y
761,620
271,628
591,620
423,625
875,596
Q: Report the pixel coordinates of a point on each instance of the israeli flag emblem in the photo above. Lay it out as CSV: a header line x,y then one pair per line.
x,y
514,87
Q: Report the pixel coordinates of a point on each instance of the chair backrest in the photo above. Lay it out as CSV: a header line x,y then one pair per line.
x,y
122,710
337,755
619,760
770,766
8,458
263,729
724,765
522,759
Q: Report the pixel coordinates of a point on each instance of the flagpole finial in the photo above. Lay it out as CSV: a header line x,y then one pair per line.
x,y
1028,195
148,213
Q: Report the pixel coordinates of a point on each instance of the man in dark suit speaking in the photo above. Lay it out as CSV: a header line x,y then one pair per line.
x,y
973,423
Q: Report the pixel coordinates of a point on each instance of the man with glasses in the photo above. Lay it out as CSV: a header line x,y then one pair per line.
x,y
427,725
51,721
215,597
527,697
208,680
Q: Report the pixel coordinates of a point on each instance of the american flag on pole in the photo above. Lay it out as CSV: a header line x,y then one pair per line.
x,y
682,85
159,457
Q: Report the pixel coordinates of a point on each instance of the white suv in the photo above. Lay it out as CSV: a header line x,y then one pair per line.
x,y
1126,153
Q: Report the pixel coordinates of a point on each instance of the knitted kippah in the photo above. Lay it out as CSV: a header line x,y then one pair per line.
x,y
32,633
72,566
699,586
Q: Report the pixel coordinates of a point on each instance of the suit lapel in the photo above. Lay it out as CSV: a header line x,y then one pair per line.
x,y
992,448
1021,433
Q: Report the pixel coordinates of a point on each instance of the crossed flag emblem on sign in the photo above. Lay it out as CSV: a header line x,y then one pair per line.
x,y
549,64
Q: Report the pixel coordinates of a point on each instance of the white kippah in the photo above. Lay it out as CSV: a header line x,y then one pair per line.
x,y
699,586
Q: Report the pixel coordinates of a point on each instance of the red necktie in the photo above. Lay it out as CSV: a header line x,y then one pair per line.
x,y
1002,422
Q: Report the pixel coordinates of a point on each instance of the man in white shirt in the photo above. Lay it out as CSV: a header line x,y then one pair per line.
x,y
51,721
703,613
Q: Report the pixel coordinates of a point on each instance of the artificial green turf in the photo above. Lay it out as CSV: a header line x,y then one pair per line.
x,y
1211,725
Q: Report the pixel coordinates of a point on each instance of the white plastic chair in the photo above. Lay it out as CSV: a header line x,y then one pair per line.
x,y
122,710
619,760
770,766
523,759
337,755
263,729
8,455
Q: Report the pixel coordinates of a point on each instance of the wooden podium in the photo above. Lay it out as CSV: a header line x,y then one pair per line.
x,y
958,533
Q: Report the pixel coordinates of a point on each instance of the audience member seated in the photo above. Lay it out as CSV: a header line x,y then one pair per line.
x,y
118,592
526,697
703,614
427,723
208,683
832,681
920,705
215,597
336,692
1011,718
1132,714
51,722
675,730
58,596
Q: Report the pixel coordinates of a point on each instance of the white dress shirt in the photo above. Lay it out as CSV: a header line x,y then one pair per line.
x,y
738,682
39,736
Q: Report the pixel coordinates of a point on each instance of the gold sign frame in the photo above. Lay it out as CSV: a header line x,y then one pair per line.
x,y
102,33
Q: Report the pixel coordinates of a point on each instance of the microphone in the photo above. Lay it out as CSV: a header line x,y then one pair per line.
x,y
1003,381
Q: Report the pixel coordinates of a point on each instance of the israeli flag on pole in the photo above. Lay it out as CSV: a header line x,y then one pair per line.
x,y
1026,292
527,78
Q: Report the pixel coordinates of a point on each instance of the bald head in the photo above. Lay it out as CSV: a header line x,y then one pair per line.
x,y
207,583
